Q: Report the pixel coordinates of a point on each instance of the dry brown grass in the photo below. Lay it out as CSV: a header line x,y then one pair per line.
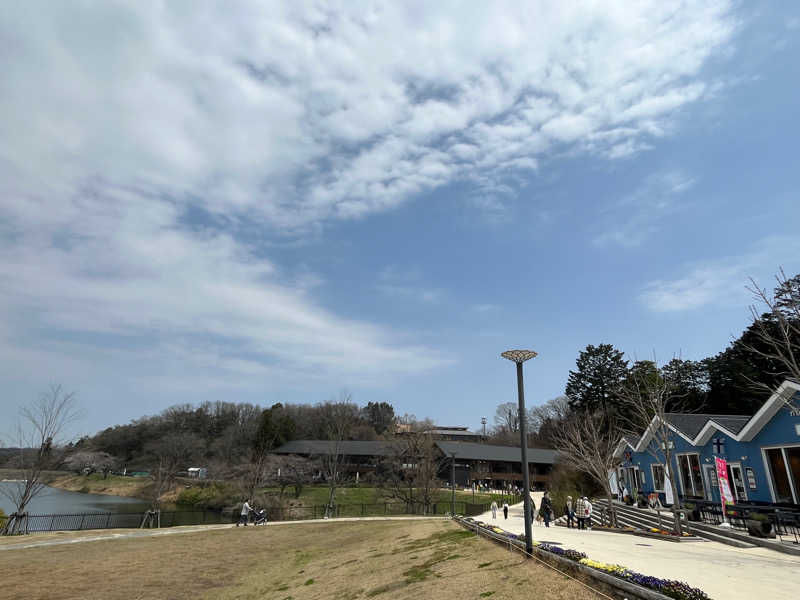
x,y
303,561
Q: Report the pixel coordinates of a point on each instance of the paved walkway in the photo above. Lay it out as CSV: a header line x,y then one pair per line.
x,y
77,537
719,570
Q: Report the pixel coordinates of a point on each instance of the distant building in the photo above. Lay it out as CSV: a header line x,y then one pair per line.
x,y
197,472
454,434
442,432
762,452
497,466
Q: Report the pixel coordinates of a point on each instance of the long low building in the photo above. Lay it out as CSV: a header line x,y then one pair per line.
x,y
498,466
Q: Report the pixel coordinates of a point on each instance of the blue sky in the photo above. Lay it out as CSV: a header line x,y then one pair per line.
x,y
275,203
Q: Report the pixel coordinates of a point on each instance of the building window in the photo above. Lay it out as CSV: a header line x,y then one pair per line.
x,y
658,477
691,479
779,474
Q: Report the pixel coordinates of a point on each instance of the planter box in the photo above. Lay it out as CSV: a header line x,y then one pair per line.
x,y
761,529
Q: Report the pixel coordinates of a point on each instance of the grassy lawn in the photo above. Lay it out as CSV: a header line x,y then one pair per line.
x,y
318,495
130,487
314,561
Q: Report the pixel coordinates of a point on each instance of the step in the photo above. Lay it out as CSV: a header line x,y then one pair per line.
x,y
636,517
705,528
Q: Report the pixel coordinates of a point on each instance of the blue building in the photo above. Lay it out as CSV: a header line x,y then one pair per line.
x,y
762,452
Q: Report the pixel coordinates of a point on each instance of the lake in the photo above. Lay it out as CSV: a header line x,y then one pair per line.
x,y
55,501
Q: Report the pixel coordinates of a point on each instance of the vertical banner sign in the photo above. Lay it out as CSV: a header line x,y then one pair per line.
x,y
724,486
668,497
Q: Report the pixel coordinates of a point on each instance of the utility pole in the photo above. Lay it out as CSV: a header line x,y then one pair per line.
x,y
453,483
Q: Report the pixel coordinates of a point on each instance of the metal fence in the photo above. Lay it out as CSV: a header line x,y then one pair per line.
x,y
88,521
293,513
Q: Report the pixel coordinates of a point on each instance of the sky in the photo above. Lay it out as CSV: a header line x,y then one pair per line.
x,y
275,202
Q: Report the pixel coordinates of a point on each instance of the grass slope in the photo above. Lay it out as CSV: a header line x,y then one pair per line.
x,y
318,494
309,561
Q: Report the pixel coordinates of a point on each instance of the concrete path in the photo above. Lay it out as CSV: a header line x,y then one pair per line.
x,y
719,570
77,537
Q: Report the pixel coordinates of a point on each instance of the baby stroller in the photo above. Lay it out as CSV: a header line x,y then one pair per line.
x,y
260,517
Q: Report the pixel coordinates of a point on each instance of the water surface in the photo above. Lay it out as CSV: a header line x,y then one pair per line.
x,y
56,501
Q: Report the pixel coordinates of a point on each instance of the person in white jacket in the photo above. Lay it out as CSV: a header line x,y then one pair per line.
x,y
494,509
245,516
587,512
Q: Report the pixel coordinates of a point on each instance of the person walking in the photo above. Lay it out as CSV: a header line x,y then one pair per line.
x,y
579,513
587,511
494,509
569,513
505,510
547,509
532,516
245,516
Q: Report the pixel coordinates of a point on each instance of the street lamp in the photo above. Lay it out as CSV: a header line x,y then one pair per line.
x,y
483,422
519,357
453,484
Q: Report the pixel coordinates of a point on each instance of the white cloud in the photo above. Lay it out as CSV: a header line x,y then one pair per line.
x,y
293,113
116,119
630,220
723,282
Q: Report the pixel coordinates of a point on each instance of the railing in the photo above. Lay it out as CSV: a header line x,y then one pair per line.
x,y
375,509
87,521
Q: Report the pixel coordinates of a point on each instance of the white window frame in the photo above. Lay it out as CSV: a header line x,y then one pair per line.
x,y
768,470
739,466
691,481
655,479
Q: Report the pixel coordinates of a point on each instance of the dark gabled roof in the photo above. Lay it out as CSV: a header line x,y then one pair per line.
x,y
733,423
454,432
691,424
475,451
348,448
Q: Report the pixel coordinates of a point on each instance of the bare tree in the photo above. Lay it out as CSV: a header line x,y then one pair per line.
x,y
411,472
37,434
168,455
256,473
338,418
297,472
647,397
547,418
587,443
90,461
777,330
506,417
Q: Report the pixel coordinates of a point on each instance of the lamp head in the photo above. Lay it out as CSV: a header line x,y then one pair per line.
x,y
518,356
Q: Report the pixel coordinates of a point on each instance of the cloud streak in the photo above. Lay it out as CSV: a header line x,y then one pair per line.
x,y
721,282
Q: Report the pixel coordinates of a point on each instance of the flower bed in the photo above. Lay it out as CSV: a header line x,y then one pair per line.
x,y
668,587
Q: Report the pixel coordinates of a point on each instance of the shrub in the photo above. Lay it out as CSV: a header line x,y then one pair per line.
x,y
215,496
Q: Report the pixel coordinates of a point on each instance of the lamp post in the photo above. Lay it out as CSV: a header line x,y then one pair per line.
x,y
483,422
519,357
452,484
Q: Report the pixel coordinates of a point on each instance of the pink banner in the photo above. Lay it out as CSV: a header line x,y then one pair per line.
x,y
724,485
